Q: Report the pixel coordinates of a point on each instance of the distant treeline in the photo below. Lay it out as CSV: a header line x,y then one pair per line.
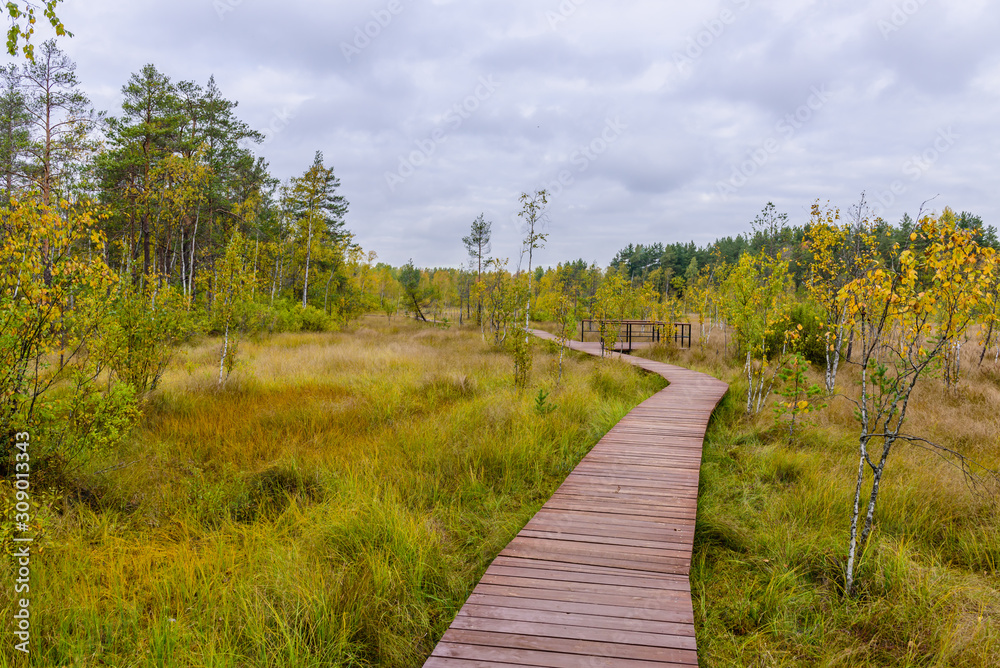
x,y
770,231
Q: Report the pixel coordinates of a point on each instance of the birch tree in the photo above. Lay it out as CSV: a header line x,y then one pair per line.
x,y
560,305
614,301
233,286
54,333
23,15
532,214
498,293
905,317
838,250
755,299
989,318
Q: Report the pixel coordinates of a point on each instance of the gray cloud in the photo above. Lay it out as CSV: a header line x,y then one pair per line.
x,y
702,89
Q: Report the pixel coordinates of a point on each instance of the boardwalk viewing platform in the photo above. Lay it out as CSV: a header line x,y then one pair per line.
x,y
599,576
632,335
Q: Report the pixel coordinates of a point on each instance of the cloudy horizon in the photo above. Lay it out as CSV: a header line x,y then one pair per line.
x,y
647,121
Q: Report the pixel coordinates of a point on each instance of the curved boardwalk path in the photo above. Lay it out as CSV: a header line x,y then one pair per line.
x,y
599,576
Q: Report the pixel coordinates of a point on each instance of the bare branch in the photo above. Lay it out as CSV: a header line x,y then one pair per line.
x,y
117,467
978,477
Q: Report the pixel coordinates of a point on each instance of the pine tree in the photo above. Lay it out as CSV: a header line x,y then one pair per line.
x,y
318,213
60,116
478,245
14,131
147,132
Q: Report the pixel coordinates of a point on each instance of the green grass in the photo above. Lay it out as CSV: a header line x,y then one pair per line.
x,y
332,506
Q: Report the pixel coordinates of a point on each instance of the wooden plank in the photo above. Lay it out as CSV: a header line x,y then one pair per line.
x,y
652,555
573,525
517,562
598,577
630,445
610,499
571,646
578,620
567,632
677,616
581,554
646,460
603,517
630,484
634,590
681,493
621,579
609,538
624,507
624,492
543,659
448,662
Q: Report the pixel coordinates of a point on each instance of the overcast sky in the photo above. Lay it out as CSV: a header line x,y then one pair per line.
x,y
646,120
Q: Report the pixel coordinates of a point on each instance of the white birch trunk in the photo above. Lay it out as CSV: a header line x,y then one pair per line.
x,y
225,350
305,285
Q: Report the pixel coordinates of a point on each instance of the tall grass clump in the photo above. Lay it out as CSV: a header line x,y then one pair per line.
x,y
332,505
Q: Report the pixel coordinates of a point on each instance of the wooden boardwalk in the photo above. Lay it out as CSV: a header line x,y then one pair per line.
x,y
599,576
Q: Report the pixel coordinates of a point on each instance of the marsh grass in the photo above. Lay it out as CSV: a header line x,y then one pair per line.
x,y
773,520
332,505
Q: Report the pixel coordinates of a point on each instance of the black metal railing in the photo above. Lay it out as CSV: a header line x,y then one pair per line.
x,y
637,331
